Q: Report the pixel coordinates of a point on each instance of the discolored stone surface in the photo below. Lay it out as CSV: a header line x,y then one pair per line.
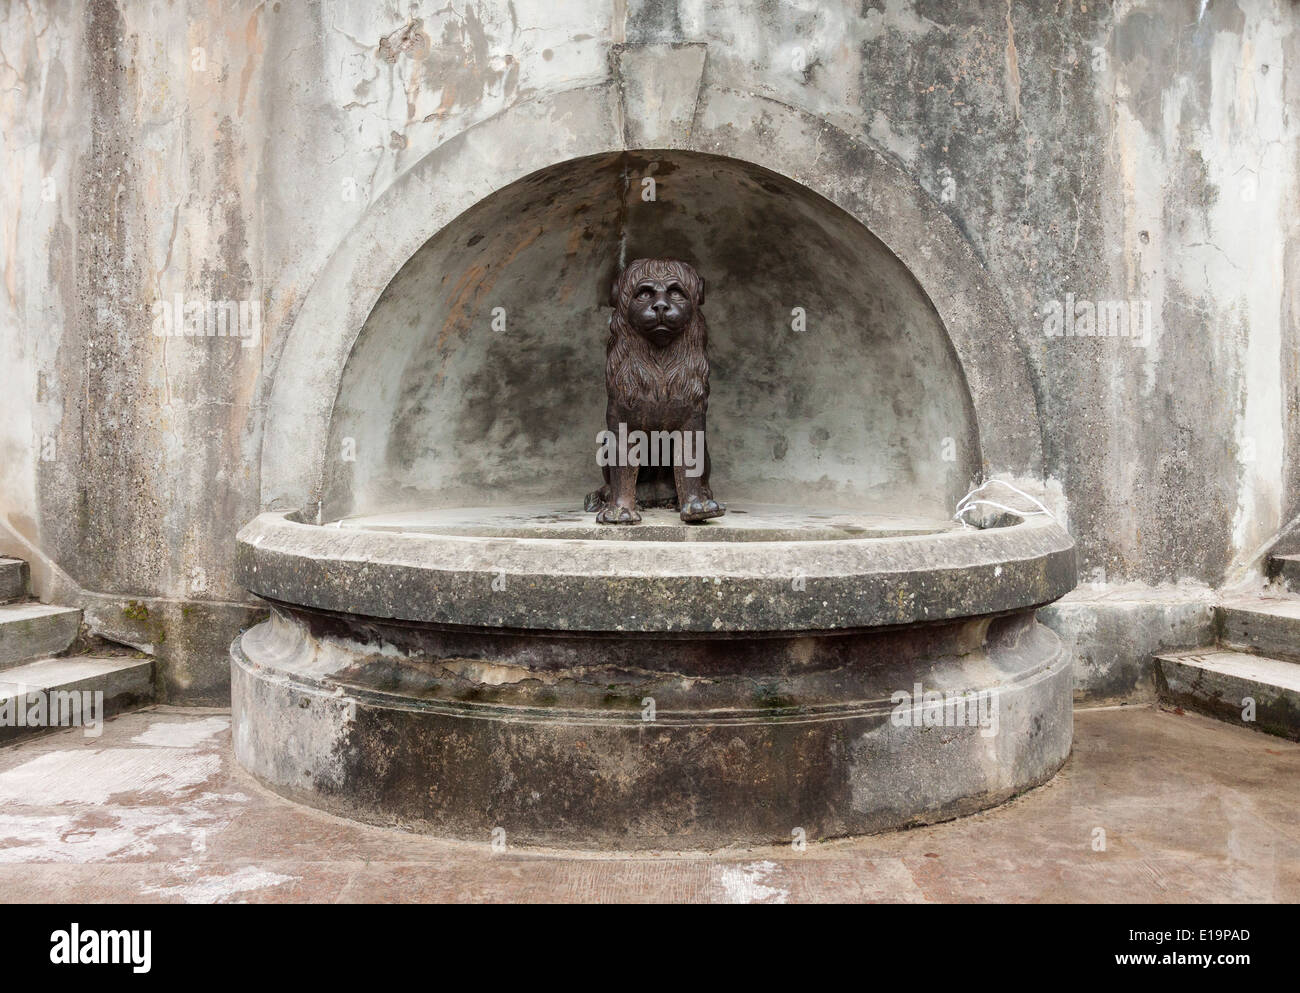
x,y
446,732
656,586
30,630
13,579
1257,691
123,682
1113,633
1267,624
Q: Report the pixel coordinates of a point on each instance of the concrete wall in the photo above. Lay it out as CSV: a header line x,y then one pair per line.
x,y
1009,157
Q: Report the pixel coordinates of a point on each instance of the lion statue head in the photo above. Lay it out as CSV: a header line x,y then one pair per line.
x,y
657,336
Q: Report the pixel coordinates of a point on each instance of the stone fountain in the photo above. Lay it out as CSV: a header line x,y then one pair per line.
x,y
458,645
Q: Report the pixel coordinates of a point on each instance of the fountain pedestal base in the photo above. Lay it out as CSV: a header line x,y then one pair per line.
x,y
900,681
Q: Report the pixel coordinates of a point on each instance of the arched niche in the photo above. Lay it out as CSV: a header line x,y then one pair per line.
x,y
815,165
478,377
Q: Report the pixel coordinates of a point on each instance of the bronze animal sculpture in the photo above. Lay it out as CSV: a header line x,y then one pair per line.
x,y
657,383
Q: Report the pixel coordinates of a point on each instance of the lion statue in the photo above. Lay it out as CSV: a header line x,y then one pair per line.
x,y
657,382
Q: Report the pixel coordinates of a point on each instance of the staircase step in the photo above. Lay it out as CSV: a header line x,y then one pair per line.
x,y
1269,625
1218,681
124,683
32,630
1288,568
13,579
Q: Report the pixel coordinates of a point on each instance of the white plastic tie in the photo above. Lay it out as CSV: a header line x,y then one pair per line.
x,y
970,500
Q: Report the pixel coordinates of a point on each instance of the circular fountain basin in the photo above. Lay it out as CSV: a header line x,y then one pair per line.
x,y
771,672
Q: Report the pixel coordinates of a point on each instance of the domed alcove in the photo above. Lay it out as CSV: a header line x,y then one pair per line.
x,y
478,378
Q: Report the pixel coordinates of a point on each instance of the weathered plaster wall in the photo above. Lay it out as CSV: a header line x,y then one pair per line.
x,y
1125,151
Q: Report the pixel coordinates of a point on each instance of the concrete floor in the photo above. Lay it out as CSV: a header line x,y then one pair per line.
x,y
157,810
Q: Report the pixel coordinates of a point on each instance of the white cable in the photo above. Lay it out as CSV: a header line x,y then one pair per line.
x,y
1013,489
970,500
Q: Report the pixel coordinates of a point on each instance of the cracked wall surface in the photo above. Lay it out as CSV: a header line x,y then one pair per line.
x,y
1127,151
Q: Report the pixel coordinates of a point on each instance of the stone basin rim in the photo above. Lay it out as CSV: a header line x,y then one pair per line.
x,y
656,587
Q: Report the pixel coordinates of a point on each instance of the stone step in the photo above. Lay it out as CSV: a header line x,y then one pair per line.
x,y
1268,625
1286,567
32,630
40,693
1220,681
13,579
